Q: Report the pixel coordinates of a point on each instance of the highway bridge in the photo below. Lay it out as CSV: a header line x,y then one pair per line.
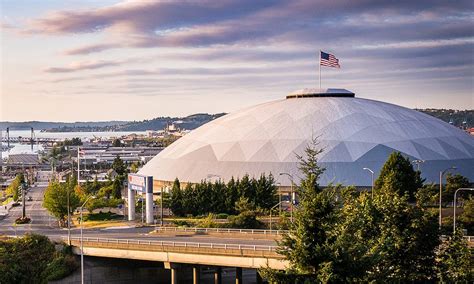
x,y
175,254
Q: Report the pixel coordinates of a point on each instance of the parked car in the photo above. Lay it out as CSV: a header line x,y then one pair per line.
x,y
30,198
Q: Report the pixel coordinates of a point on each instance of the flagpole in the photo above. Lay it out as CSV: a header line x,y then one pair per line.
x,y
78,165
320,69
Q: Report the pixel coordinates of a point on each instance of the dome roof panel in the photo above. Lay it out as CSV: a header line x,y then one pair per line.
x,y
355,133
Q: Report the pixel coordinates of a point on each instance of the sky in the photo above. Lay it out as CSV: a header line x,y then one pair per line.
x,y
132,60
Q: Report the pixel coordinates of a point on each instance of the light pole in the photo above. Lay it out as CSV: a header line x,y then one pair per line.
x,y
271,209
279,197
372,174
68,218
418,162
454,221
441,174
291,194
82,248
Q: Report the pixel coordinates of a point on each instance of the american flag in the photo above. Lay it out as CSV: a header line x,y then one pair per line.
x,y
329,60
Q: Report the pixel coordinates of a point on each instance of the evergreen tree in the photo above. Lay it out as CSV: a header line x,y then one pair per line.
x,y
305,244
453,182
119,167
176,199
117,189
231,196
403,178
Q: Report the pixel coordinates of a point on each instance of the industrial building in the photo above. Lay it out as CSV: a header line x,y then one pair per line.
x,y
355,133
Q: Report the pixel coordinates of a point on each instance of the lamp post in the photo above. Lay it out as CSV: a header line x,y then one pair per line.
x,y
69,218
291,194
441,174
454,221
372,175
279,197
271,209
418,162
82,248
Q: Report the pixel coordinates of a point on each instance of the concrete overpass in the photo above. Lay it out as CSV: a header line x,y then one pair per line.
x,y
196,254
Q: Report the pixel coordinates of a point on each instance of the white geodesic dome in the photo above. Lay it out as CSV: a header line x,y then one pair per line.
x,y
355,133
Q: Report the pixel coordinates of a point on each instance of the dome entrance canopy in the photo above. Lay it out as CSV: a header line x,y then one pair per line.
x,y
313,93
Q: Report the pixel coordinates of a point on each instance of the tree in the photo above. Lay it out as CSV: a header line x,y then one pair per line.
x,y
403,178
117,189
453,182
14,188
358,239
117,143
119,167
467,216
305,244
176,199
55,200
454,260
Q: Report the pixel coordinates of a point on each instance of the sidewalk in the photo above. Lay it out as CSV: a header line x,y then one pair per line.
x,y
3,211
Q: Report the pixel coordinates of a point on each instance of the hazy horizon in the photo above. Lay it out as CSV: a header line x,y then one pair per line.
x,y
75,61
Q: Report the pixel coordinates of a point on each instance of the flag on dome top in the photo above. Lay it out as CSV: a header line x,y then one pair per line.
x,y
329,60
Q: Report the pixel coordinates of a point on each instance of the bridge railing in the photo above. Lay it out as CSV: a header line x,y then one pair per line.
x,y
222,230
156,243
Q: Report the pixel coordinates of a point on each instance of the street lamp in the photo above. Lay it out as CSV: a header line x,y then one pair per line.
x,y
271,209
418,162
291,194
454,221
441,174
82,248
372,174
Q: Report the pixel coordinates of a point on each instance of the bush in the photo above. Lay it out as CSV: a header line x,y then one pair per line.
x,y
222,216
60,267
181,223
102,216
245,220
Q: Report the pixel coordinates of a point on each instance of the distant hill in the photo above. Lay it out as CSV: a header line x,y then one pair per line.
x,y
458,118
159,123
45,125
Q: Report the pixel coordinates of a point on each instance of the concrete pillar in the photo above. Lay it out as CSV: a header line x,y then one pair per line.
x,y
149,200
259,278
238,275
174,275
196,275
218,275
131,204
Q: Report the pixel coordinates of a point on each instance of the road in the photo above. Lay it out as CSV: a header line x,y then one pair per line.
x,y
43,223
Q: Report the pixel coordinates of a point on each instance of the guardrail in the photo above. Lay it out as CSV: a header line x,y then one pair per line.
x,y
161,244
221,230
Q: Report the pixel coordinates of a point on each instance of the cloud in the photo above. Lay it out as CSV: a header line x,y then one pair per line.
x,y
146,24
78,66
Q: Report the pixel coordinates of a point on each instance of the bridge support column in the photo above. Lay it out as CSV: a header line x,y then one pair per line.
x,y
218,275
196,275
131,204
149,203
174,271
238,275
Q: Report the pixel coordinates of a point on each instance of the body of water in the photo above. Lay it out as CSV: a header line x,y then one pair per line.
x,y
26,149
70,135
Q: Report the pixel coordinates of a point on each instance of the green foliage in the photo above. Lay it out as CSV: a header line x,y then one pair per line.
x,y
245,220
102,203
14,188
55,199
399,173
102,216
467,216
117,143
119,167
455,260
427,195
339,235
76,141
32,259
206,197
453,182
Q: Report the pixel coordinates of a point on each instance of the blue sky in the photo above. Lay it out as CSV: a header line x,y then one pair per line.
x,y
126,60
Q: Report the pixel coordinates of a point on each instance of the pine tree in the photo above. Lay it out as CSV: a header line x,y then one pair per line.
x,y
403,179
176,198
